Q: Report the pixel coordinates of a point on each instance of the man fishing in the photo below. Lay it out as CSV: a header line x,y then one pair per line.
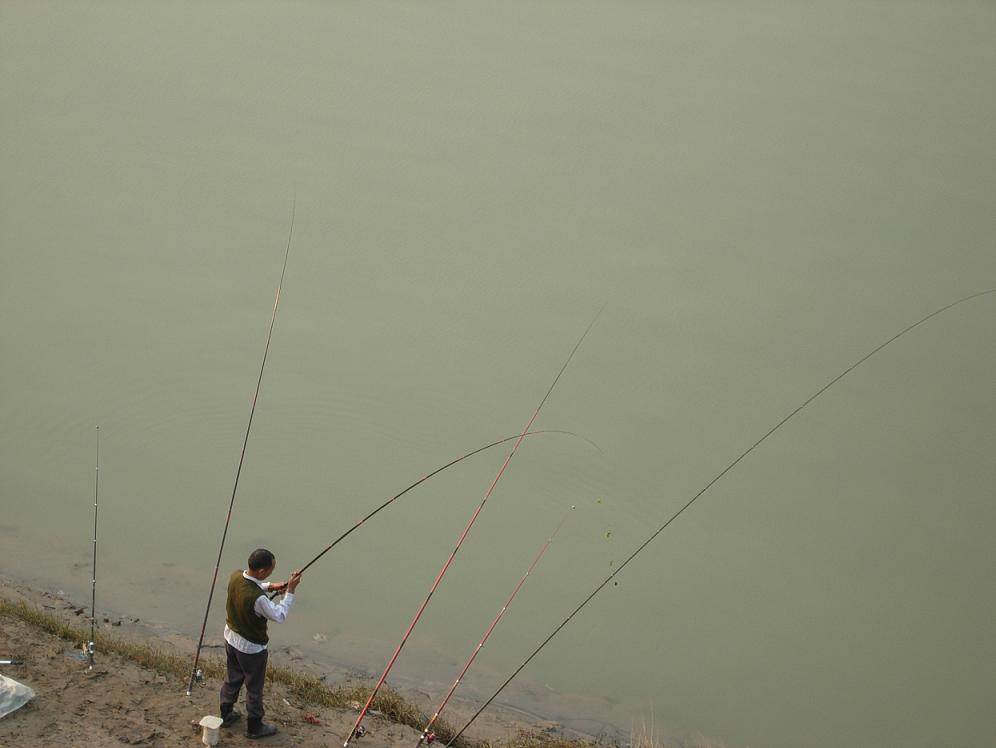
x,y
248,610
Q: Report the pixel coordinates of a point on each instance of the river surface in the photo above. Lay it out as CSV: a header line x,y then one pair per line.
x,y
759,194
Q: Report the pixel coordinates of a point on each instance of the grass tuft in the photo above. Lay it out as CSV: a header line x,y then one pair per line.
x,y
534,739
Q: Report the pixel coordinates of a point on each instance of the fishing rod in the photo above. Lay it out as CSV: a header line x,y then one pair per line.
x,y
463,536
427,735
725,470
90,647
194,673
423,479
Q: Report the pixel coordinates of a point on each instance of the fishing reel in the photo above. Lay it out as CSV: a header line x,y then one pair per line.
x,y
359,732
430,738
199,676
90,648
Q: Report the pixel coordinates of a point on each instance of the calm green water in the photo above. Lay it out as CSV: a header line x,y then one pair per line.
x,y
761,194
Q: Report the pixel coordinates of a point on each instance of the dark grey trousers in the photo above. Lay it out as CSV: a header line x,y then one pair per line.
x,y
244,668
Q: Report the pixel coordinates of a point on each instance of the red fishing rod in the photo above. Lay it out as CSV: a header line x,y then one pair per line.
x,y
423,479
427,735
709,485
252,410
463,536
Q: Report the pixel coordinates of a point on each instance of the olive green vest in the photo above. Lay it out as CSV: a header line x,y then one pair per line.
x,y
242,619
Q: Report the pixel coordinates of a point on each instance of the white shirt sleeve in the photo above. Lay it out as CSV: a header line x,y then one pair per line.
x,y
276,612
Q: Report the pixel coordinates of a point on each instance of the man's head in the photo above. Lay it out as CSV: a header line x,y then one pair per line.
x,y
261,563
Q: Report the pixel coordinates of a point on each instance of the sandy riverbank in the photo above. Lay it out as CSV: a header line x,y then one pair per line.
x,y
141,699
123,702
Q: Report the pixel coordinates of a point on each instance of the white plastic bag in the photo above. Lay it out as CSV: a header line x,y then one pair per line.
x,y
13,695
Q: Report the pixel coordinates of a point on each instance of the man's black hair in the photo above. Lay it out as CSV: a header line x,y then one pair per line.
x,y
260,559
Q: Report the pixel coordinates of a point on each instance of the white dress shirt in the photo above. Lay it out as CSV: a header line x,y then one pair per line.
x,y
264,608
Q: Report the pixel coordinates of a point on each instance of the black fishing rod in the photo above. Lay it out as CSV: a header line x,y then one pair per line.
x,y
706,488
245,441
91,647
463,536
423,479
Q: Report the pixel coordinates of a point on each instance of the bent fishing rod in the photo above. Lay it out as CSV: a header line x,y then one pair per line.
x,y
427,734
463,536
422,480
242,456
91,647
709,485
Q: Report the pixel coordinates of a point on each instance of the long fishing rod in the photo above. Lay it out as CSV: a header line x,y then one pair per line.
x,y
725,470
245,441
422,480
91,647
427,735
463,536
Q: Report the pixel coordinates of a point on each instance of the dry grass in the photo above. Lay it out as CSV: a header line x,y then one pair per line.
x,y
648,737
144,654
532,739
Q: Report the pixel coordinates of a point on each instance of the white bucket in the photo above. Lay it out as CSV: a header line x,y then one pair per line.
x,y
211,726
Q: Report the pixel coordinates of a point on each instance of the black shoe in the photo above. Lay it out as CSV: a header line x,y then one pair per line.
x,y
230,718
260,731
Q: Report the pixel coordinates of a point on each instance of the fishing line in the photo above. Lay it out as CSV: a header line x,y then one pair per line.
x,y
424,478
245,441
706,488
463,536
90,647
426,731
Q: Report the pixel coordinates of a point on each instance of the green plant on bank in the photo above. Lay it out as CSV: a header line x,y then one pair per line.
x,y
305,687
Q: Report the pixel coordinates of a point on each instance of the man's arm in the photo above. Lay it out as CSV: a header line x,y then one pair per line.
x,y
277,612
273,611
